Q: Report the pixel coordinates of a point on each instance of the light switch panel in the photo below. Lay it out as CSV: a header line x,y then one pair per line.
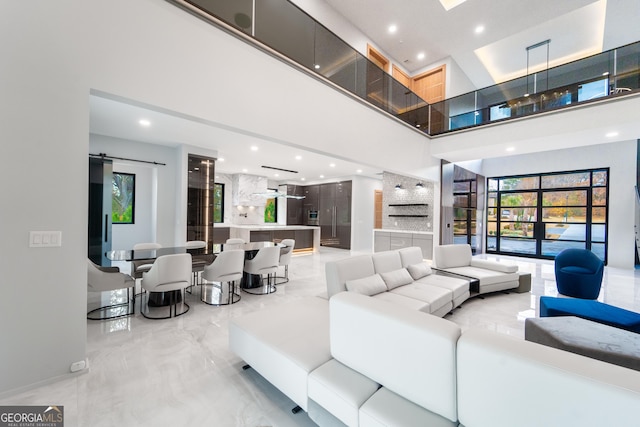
x,y
45,239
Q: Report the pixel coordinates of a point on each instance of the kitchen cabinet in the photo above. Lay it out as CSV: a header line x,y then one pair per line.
x,y
334,214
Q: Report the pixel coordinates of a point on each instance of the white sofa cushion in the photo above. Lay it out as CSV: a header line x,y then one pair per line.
x,y
449,256
340,390
386,261
459,287
420,270
494,265
369,286
385,408
486,277
415,355
396,278
279,349
439,299
338,272
404,301
501,379
410,256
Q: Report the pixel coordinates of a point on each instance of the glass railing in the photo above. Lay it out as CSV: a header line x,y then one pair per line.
x,y
612,73
285,28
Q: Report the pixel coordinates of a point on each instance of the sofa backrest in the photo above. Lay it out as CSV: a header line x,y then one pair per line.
x,y
338,272
450,256
386,261
410,256
505,381
412,354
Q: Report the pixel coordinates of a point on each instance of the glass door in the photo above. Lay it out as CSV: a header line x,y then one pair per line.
x,y
464,212
541,215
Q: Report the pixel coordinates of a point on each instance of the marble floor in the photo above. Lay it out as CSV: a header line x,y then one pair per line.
x,y
179,372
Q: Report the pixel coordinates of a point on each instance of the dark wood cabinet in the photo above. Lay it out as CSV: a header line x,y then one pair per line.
x,y
334,214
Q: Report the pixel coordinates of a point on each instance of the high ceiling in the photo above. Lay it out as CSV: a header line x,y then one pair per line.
x,y
423,26
575,28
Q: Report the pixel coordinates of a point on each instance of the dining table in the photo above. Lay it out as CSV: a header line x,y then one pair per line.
x,y
206,254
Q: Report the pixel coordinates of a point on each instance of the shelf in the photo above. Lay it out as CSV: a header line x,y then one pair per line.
x,y
408,204
411,216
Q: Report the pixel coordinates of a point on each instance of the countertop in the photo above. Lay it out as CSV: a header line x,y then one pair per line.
x,y
265,227
393,230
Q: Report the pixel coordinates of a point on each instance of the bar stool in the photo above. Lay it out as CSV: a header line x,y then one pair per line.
x,y
265,262
104,279
226,268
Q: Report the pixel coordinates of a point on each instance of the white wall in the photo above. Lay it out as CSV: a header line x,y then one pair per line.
x,y
160,191
124,236
362,212
54,54
620,157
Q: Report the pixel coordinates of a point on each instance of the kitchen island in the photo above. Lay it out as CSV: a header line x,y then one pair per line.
x,y
307,237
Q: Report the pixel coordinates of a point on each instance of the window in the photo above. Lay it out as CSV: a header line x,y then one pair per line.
x,y
540,215
218,202
123,198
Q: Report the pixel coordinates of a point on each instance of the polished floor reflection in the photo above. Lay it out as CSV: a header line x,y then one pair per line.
x,y
179,372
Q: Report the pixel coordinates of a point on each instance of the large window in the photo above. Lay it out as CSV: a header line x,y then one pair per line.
x,y
540,215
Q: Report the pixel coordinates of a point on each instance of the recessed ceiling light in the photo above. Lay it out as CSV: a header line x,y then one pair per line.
x,y
612,134
276,174
321,176
303,179
221,159
359,171
511,148
393,28
479,29
421,55
254,148
196,169
317,66
298,157
144,122
333,165
244,170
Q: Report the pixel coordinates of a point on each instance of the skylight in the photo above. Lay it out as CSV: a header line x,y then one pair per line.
x,y
450,4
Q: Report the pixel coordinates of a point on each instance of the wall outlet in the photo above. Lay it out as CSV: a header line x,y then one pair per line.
x,y
78,366
45,239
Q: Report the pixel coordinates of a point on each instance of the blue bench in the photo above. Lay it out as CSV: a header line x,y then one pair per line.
x,y
590,310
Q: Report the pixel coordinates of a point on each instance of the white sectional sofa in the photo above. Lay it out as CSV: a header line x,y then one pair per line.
x,y
399,276
361,361
491,276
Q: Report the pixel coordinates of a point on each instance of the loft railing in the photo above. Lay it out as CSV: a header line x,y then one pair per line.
x,y
288,30
612,73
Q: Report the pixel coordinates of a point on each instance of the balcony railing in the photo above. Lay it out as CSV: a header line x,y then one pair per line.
x,y
288,30
612,73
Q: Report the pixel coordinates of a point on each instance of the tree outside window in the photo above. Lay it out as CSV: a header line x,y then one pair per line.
x,y
123,198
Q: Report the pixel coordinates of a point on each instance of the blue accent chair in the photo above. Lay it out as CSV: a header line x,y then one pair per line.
x,y
579,273
591,310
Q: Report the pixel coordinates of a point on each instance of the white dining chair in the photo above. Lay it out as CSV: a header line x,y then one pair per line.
x,y
232,244
226,268
265,262
285,258
170,275
197,265
106,279
139,267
